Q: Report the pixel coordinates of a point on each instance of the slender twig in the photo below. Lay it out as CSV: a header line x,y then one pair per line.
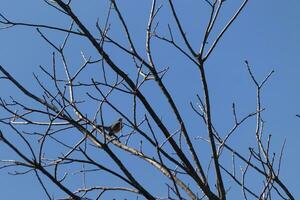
x,y
225,29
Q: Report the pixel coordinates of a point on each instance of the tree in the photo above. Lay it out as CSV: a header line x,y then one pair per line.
x,y
66,129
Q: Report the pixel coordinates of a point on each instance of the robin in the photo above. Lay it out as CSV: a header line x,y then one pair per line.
x,y
114,128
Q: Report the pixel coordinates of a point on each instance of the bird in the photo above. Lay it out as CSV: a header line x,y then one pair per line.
x,y
113,128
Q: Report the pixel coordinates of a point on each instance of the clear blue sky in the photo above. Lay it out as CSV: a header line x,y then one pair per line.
x,y
266,34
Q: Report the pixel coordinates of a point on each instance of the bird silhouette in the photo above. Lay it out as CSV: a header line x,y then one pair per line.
x,y
113,128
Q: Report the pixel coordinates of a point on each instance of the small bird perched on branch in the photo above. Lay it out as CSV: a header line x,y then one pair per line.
x,y
114,128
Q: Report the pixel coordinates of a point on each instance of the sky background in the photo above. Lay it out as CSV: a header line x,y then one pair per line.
x,y
266,34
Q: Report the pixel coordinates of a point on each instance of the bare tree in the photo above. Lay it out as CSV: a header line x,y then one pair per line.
x,y
74,126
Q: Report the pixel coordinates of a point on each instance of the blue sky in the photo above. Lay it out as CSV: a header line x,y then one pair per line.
x,y
266,34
